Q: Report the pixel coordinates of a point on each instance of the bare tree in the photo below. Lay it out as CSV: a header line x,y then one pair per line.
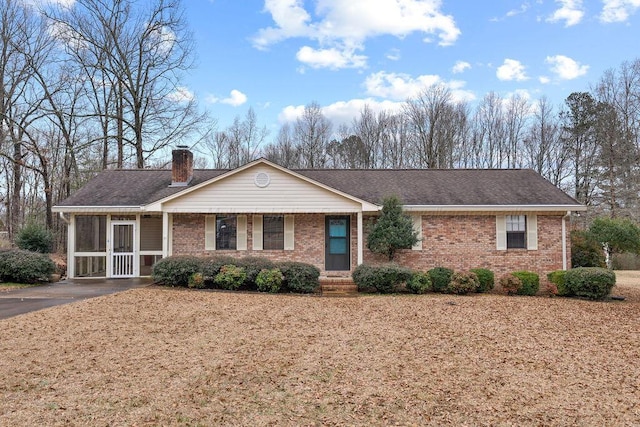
x,y
312,132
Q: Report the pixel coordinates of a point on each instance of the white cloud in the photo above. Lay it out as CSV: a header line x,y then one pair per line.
x,y
618,10
400,87
511,69
181,94
460,67
566,68
67,4
346,25
235,99
571,12
394,55
544,80
330,58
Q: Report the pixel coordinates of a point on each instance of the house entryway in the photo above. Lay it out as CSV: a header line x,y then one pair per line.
x,y
337,243
123,248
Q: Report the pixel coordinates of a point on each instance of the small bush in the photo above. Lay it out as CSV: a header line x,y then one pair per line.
x,y
196,280
35,238
299,276
510,283
440,278
558,278
383,278
211,267
486,279
530,282
22,266
420,283
176,270
230,277
253,265
590,282
269,280
463,282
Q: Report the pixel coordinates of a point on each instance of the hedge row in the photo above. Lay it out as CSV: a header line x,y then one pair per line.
x,y
225,272
20,266
588,282
388,278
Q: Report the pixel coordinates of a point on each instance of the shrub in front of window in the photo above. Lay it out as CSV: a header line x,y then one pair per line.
x,y
299,276
590,282
196,280
440,278
420,283
176,270
486,279
19,266
558,278
230,277
211,267
35,238
253,265
463,282
530,282
384,279
510,283
269,280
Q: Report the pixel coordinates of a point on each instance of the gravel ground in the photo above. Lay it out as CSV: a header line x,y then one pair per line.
x,y
157,356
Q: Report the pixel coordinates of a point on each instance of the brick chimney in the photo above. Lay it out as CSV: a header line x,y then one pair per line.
x,y
181,166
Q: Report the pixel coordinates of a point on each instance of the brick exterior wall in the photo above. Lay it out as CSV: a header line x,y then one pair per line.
x,y
460,242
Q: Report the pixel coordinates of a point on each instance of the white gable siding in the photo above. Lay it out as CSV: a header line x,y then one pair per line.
x,y
239,193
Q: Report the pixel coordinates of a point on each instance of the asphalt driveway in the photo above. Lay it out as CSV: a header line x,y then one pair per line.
x,y
19,301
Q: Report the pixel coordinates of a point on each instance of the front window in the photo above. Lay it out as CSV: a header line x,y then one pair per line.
x,y
516,232
273,232
226,227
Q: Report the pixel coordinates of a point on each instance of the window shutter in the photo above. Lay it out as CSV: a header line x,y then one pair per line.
x,y
210,233
257,233
417,226
289,235
241,233
501,233
532,232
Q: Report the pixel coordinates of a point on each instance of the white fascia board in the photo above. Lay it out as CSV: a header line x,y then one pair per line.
x,y
97,209
272,210
494,208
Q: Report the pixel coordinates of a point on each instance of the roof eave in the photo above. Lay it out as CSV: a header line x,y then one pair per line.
x,y
494,208
97,209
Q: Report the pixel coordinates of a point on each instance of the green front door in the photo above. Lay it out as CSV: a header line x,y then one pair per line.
x,y
337,247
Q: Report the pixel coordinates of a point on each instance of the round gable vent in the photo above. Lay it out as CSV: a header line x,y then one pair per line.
x,y
262,179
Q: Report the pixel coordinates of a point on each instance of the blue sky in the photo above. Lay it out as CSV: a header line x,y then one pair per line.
x,y
278,55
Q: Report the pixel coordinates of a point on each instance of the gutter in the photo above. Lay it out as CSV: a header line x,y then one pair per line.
x,y
62,217
564,240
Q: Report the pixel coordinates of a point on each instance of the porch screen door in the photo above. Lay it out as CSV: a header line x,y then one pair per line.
x,y
122,248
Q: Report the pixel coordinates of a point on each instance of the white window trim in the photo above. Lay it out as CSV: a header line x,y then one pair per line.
x,y
531,230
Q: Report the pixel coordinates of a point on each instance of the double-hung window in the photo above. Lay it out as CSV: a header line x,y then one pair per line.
x,y
273,232
516,231
226,229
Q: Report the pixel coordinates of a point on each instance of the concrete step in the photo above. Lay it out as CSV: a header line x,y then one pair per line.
x,y
341,286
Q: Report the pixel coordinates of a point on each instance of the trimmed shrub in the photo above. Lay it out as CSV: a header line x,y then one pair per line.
x,y
299,276
196,280
35,238
20,266
510,283
590,282
211,267
419,283
486,279
363,277
558,278
530,282
585,251
463,282
269,280
230,277
176,270
440,278
253,265
384,278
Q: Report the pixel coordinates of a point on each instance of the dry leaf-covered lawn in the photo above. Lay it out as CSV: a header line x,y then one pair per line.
x,y
158,356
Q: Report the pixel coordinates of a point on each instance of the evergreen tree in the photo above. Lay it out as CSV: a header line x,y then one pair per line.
x,y
392,231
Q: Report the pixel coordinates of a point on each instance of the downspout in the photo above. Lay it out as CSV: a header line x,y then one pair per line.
x,y
62,217
564,240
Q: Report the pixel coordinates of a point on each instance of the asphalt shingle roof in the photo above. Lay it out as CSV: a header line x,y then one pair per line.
x,y
437,187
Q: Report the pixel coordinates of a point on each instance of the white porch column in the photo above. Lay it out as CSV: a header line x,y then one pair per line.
x,y
564,241
360,237
165,234
71,247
